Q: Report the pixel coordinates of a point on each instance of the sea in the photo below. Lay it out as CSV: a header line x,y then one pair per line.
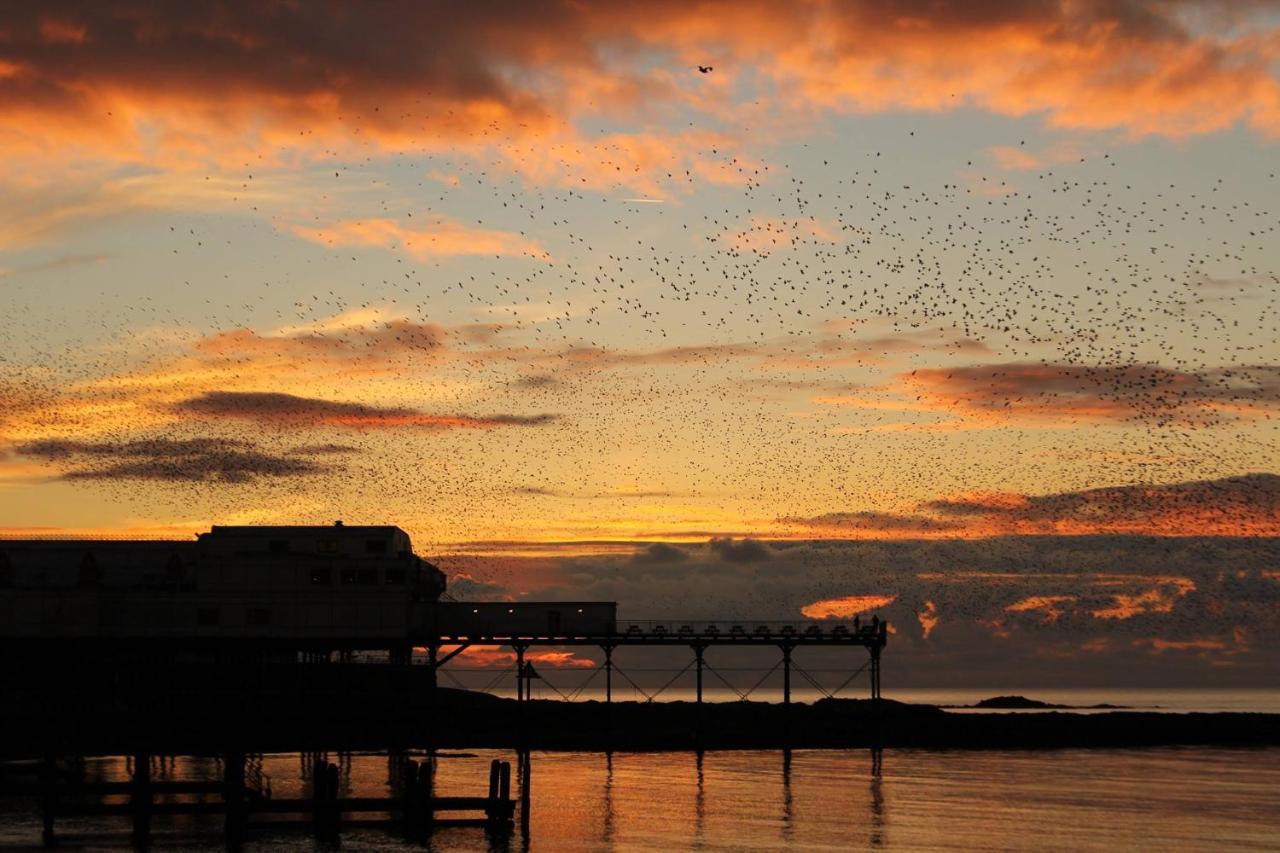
x,y
1151,799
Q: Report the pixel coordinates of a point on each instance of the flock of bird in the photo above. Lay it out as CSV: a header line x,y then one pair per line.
x,y
727,325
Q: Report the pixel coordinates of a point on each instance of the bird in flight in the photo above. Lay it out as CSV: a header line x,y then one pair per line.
x,y
705,69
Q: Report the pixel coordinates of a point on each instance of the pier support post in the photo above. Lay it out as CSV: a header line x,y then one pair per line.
x,y
786,673
608,673
521,681
698,649
875,672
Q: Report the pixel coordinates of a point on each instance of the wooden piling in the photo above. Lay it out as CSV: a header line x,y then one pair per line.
x,y
426,792
410,801
233,794
494,772
525,796
140,797
325,813
48,796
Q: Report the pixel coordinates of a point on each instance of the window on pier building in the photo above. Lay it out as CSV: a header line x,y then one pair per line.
x,y
257,617
375,546
278,546
348,576
367,577
395,577
321,576
208,617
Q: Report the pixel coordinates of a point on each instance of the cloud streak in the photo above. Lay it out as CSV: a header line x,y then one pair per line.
x,y
292,410
168,460
443,237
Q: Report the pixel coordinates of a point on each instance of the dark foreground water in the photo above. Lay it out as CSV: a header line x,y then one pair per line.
x,y
1149,799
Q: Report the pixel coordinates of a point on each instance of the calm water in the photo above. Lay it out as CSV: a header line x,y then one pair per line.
x,y
1257,700
1151,799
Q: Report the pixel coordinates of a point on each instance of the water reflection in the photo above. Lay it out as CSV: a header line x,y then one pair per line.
x,y
699,802
877,822
598,802
788,805
609,817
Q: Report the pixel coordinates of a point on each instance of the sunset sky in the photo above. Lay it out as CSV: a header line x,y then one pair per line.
x,y
870,314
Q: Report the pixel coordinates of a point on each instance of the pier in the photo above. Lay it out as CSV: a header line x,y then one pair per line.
x,y
257,639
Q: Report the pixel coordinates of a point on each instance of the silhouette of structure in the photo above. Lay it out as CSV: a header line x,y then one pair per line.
x,y
314,594
145,648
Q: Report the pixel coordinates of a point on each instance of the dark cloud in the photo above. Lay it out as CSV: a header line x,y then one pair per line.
x,y
1053,610
325,449
873,521
193,460
742,551
464,587
1247,504
290,409
534,490
1132,392
398,70
660,552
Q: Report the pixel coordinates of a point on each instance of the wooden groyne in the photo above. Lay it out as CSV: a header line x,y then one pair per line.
x,y
243,797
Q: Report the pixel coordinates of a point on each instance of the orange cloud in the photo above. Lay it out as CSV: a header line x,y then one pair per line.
x,y
928,618
1160,599
846,607
175,84
442,237
1048,604
493,657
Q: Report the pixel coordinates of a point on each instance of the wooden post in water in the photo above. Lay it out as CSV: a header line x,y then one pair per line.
x,y
233,794
48,793
786,674
410,801
525,766
140,797
324,801
426,792
495,773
